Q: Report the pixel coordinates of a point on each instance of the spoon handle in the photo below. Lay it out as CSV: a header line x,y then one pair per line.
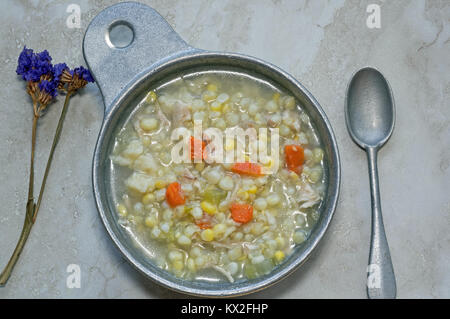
x,y
381,278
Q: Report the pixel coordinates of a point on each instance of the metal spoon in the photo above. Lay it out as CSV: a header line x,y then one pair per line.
x,y
370,117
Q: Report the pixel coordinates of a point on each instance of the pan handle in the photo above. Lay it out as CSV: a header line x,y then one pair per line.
x,y
124,41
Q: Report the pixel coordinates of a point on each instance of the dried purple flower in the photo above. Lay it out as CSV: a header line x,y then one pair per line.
x,y
47,91
48,87
32,66
24,63
76,78
58,70
83,74
42,64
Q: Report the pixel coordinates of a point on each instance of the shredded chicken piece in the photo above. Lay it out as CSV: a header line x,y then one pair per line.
x,y
271,123
188,174
216,244
228,232
249,246
231,197
307,196
197,185
182,114
224,272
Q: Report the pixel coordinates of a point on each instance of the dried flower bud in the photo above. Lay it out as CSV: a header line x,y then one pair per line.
x,y
31,66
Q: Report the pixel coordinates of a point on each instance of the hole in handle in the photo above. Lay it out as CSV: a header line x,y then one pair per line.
x,y
120,34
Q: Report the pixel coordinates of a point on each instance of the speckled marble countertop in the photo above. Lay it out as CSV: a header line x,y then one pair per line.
x,y
321,43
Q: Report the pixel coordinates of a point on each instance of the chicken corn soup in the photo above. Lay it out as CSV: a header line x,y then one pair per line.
x,y
203,218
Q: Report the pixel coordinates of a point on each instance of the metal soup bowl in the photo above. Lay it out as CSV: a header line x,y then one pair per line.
x,y
125,74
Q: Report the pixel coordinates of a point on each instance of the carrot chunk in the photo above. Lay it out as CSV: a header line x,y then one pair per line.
x,y
251,169
197,153
241,213
174,195
295,158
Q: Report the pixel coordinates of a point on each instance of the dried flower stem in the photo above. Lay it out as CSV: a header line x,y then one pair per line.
x,y
33,147
32,208
28,223
52,150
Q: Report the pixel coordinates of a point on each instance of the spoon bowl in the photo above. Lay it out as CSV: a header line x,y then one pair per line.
x,y
370,111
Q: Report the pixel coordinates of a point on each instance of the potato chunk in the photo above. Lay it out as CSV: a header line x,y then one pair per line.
x,y
133,150
146,163
140,183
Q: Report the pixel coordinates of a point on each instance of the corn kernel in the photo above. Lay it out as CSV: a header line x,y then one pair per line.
x,y
178,265
190,230
208,96
299,237
253,189
269,163
167,214
284,130
148,124
233,268
211,87
260,203
226,183
280,241
200,261
289,103
225,107
276,97
257,229
207,235
279,255
235,253
219,229
196,212
150,221
315,175
122,210
208,207
191,264
273,199
175,255
184,240
156,232
148,198
151,97
318,155
223,97
200,166
258,259
165,227
271,106
216,106
242,258
229,145
237,236
293,176
242,194
146,140
196,251
160,184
